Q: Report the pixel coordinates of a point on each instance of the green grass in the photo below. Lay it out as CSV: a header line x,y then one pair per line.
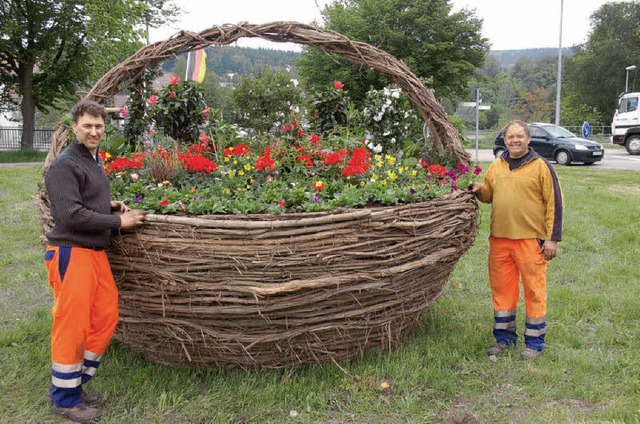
x,y
22,156
589,373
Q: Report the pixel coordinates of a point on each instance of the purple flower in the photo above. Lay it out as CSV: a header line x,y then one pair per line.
x,y
477,171
413,191
317,198
198,197
138,199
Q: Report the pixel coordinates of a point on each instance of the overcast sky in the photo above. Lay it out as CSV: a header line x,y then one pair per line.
x,y
508,24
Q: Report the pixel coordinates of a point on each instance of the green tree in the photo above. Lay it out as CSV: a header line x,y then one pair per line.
x,y
263,99
443,48
49,49
596,75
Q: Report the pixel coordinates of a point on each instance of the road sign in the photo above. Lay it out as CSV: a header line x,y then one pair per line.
x,y
586,129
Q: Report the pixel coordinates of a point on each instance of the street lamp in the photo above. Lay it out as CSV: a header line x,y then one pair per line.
x,y
626,84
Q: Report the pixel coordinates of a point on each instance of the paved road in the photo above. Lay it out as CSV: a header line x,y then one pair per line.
x,y
613,159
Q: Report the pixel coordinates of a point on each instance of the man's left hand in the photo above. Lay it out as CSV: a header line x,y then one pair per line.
x,y
549,249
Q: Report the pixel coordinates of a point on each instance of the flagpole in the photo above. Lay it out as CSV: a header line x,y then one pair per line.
x,y
186,71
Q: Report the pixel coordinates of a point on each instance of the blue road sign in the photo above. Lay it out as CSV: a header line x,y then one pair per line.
x,y
586,129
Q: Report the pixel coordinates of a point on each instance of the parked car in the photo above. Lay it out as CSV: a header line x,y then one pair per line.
x,y
555,143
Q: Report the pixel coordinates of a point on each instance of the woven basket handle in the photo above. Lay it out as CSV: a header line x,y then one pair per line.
x,y
444,134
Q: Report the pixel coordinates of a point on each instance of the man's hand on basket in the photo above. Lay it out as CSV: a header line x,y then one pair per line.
x,y
131,218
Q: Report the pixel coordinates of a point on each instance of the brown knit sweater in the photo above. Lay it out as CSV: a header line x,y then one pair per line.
x,y
78,189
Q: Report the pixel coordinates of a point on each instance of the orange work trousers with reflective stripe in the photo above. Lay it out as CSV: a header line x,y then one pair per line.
x,y
509,262
85,315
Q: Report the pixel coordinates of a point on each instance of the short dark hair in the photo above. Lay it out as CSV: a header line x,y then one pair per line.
x,y
90,107
520,123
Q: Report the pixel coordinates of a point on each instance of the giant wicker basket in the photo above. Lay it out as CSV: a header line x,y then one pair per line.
x,y
273,291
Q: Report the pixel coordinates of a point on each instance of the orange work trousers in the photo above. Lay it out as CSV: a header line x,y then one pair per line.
x,y
509,262
85,315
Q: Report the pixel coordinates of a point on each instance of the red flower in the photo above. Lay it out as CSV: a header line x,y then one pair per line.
x,y
152,100
174,80
286,128
358,164
314,139
206,111
306,159
123,112
172,94
265,161
300,132
282,203
437,170
164,203
335,157
338,85
318,185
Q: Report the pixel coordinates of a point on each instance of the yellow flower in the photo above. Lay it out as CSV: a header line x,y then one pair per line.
x,y
166,183
414,173
384,182
391,160
240,172
392,175
226,191
247,167
226,159
232,174
107,155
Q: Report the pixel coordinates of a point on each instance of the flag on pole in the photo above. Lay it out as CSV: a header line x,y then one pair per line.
x,y
196,65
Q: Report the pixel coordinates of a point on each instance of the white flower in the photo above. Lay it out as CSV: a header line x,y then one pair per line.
x,y
294,81
395,93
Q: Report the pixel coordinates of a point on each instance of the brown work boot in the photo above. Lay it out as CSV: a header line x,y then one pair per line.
x,y
497,349
79,413
88,399
529,353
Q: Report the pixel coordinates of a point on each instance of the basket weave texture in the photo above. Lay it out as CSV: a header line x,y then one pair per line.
x,y
274,291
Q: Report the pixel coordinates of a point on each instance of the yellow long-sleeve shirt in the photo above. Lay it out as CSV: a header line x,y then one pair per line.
x,y
527,202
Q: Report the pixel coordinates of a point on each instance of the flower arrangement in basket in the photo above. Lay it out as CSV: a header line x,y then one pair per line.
x,y
315,164
304,245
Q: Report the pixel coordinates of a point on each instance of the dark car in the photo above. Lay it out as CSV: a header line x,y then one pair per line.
x,y
555,143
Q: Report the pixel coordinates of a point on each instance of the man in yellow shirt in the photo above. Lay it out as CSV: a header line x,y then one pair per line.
x,y
526,225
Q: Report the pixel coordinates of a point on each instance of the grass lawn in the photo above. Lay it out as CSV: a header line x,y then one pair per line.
x,y
589,372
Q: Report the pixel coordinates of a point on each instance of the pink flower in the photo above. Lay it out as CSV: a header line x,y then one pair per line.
x,y
174,80
172,94
152,100
206,111
338,85
152,131
123,112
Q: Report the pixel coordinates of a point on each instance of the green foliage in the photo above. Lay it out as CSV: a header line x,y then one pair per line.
x,y
266,99
442,47
596,75
329,109
179,110
137,124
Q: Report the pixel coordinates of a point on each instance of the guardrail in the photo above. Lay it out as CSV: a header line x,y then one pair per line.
x,y
10,138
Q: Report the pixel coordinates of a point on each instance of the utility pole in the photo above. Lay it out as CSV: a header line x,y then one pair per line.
x,y
559,83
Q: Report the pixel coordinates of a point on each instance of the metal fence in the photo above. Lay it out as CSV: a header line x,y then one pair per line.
x,y
10,138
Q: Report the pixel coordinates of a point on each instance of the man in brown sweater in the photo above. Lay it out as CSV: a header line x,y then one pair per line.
x,y
85,310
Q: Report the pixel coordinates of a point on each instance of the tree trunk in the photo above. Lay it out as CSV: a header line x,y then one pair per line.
x,y
28,109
